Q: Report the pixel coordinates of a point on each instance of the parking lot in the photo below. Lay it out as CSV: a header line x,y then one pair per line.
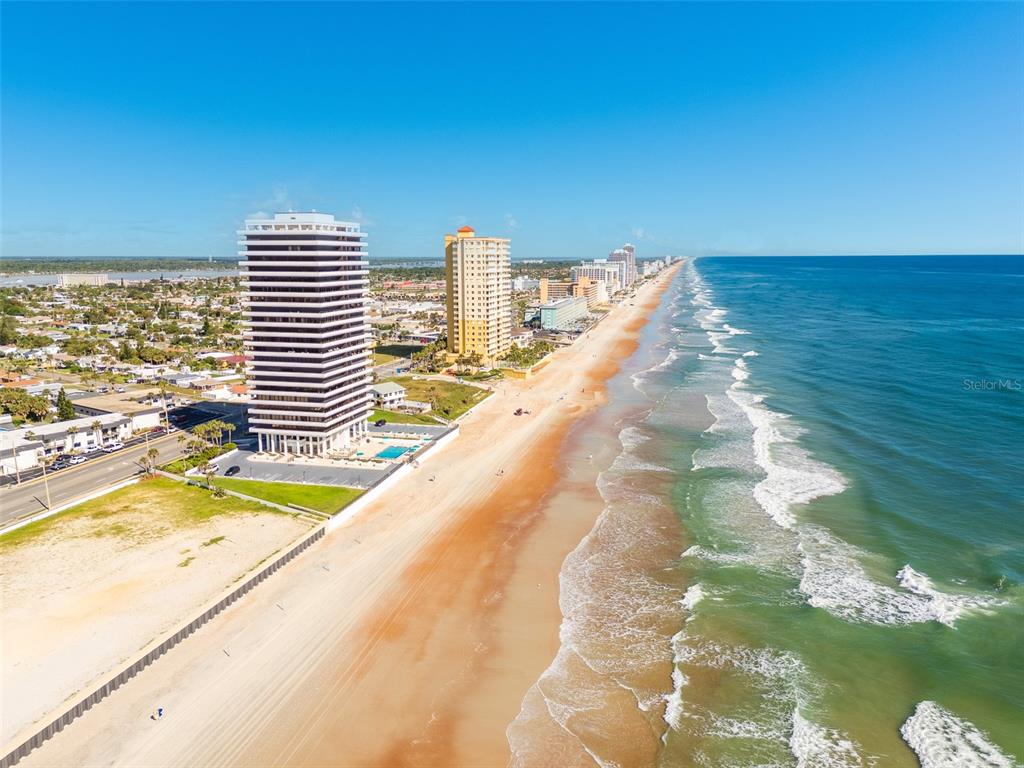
x,y
302,470
290,472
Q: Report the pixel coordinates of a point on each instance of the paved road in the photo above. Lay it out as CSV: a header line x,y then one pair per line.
x,y
387,370
29,498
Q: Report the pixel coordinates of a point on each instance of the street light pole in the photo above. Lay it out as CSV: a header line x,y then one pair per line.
x,y
46,485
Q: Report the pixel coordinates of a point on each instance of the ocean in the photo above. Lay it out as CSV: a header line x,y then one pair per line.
x,y
812,547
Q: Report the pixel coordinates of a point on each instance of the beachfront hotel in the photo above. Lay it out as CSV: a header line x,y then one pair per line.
x,y
627,255
478,274
305,277
614,274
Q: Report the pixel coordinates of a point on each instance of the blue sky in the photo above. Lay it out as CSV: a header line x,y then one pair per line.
x,y
134,129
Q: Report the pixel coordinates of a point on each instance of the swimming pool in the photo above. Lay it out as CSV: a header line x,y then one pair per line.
x,y
393,452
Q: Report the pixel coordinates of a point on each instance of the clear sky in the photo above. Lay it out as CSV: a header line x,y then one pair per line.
x,y
133,129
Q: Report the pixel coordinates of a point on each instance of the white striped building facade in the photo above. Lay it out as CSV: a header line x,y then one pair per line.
x,y
305,282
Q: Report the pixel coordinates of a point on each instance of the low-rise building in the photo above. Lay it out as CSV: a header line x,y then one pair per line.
x,y
564,314
140,413
522,337
29,445
388,395
17,454
523,283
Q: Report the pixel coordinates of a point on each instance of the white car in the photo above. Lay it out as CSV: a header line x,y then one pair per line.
x,y
111,447
76,460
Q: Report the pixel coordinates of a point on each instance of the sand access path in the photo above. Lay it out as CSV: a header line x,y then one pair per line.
x,y
369,650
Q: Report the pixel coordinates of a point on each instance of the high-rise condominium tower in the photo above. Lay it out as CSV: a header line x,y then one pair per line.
x,y
626,254
305,278
479,276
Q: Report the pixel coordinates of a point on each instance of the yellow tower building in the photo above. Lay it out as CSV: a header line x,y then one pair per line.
x,y
478,273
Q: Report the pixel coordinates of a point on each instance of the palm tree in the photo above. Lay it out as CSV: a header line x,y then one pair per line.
x,y
230,428
97,427
150,458
72,431
163,396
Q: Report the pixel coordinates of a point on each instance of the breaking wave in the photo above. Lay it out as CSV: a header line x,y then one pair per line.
x,y
940,739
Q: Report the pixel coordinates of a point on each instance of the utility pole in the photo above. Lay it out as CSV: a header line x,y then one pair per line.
x,y
46,485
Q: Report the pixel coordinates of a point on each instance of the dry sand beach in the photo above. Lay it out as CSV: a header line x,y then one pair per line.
x,y
99,582
408,637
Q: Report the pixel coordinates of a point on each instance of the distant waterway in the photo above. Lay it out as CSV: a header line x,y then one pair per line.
x,y
9,281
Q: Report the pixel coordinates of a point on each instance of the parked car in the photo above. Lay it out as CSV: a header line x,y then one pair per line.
x,y
111,447
75,460
380,422
234,469
120,390
60,464
157,431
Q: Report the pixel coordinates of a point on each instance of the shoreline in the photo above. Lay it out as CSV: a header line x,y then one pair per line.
x,y
408,610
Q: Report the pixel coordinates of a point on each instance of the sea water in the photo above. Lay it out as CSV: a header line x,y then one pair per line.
x,y
812,549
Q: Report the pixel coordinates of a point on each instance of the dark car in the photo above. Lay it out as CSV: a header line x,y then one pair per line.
x,y
380,422
234,469
59,464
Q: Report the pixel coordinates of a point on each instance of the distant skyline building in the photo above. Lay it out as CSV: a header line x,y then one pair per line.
x,y
82,278
478,275
612,273
626,254
305,280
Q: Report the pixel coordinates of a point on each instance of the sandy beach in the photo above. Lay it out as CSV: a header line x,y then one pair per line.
x,y
408,637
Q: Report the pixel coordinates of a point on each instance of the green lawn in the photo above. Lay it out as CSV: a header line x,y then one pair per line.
x,y
397,350
393,417
162,501
449,398
323,498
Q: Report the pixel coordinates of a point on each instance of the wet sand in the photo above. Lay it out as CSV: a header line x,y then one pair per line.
x,y
411,636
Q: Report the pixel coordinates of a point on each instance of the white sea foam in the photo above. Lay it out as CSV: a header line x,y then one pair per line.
x,y
674,699
815,746
714,556
694,594
945,607
792,476
940,739
733,331
750,353
739,371
671,357
835,579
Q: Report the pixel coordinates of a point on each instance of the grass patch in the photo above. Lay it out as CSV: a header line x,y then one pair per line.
x,y
140,511
185,463
448,398
393,417
387,353
323,498
214,540
184,563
